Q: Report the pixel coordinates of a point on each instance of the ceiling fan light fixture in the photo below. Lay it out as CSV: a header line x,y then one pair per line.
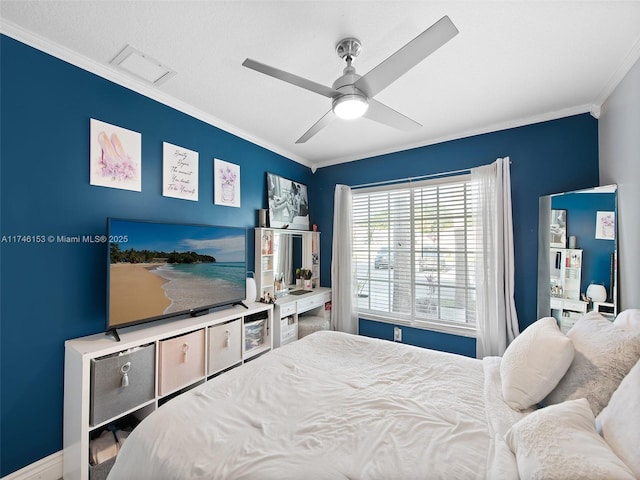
x,y
350,106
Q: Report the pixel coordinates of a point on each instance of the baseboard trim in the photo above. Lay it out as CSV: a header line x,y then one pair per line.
x,y
47,468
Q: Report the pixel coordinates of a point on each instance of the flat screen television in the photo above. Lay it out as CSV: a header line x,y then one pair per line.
x,y
160,270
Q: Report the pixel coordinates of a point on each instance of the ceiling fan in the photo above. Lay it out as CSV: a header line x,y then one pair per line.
x,y
352,94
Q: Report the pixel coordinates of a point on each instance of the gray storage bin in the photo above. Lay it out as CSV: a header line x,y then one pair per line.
x,y
101,470
111,394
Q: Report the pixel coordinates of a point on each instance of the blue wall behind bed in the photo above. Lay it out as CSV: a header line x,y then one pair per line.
x,y
53,292
420,338
547,157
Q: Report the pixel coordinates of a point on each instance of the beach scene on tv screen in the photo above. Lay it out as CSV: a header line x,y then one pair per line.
x,y
162,269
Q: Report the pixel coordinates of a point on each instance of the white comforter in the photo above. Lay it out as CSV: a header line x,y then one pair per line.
x,y
332,406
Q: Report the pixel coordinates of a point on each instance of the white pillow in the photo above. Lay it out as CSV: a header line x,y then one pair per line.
x,y
560,442
604,355
534,363
619,422
628,319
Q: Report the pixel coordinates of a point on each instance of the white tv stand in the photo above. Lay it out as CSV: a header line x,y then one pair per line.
x,y
165,358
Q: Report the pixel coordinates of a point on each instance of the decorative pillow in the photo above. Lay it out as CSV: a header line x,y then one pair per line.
x,y
534,363
561,442
604,355
619,422
628,319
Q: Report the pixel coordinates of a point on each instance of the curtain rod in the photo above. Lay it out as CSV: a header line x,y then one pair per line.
x,y
412,179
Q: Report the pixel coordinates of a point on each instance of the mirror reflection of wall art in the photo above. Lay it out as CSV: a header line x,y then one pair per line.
x,y
558,232
606,225
179,172
226,190
288,203
115,157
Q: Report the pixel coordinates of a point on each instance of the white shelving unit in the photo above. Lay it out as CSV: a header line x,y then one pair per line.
x,y
264,274
566,274
114,383
314,252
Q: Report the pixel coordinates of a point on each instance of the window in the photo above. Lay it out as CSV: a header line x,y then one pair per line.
x,y
414,250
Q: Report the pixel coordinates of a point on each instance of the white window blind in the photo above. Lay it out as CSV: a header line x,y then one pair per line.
x,y
414,252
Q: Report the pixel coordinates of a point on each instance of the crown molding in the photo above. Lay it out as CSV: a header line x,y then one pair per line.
x,y
496,127
618,75
74,58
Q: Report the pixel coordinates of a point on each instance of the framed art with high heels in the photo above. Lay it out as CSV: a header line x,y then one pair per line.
x,y
115,157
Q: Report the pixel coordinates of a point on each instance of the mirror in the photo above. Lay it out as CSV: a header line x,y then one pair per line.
x,y
577,253
287,256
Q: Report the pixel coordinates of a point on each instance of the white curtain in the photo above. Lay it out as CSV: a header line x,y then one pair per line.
x,y
343,314
496,320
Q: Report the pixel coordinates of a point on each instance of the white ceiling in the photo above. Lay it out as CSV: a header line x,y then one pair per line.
x,y
512,63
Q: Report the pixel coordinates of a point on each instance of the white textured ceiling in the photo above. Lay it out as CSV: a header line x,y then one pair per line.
x,y
512,63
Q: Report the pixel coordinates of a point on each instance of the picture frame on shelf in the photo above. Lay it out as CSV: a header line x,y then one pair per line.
x,y
288,203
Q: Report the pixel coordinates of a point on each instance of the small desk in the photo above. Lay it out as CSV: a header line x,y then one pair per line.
x,y
567,311
290,307
606,309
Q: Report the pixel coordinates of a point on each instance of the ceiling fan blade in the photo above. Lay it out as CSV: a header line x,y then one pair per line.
x,y
380,113
407,57
319,125
290,78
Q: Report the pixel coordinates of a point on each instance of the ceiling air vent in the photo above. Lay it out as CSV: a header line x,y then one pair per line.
x,y
140,65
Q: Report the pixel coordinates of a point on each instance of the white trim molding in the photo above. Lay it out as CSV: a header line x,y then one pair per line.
x,y
120,78
619,74
496,127
47,468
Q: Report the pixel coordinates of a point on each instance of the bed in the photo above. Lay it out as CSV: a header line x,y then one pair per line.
x,y
340,406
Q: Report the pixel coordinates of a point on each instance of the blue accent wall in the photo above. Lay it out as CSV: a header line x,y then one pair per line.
x,y
581,222
52,292
547,157
420,338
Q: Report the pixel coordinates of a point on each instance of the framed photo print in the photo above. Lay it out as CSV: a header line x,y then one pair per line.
x,y
288,203
558,232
